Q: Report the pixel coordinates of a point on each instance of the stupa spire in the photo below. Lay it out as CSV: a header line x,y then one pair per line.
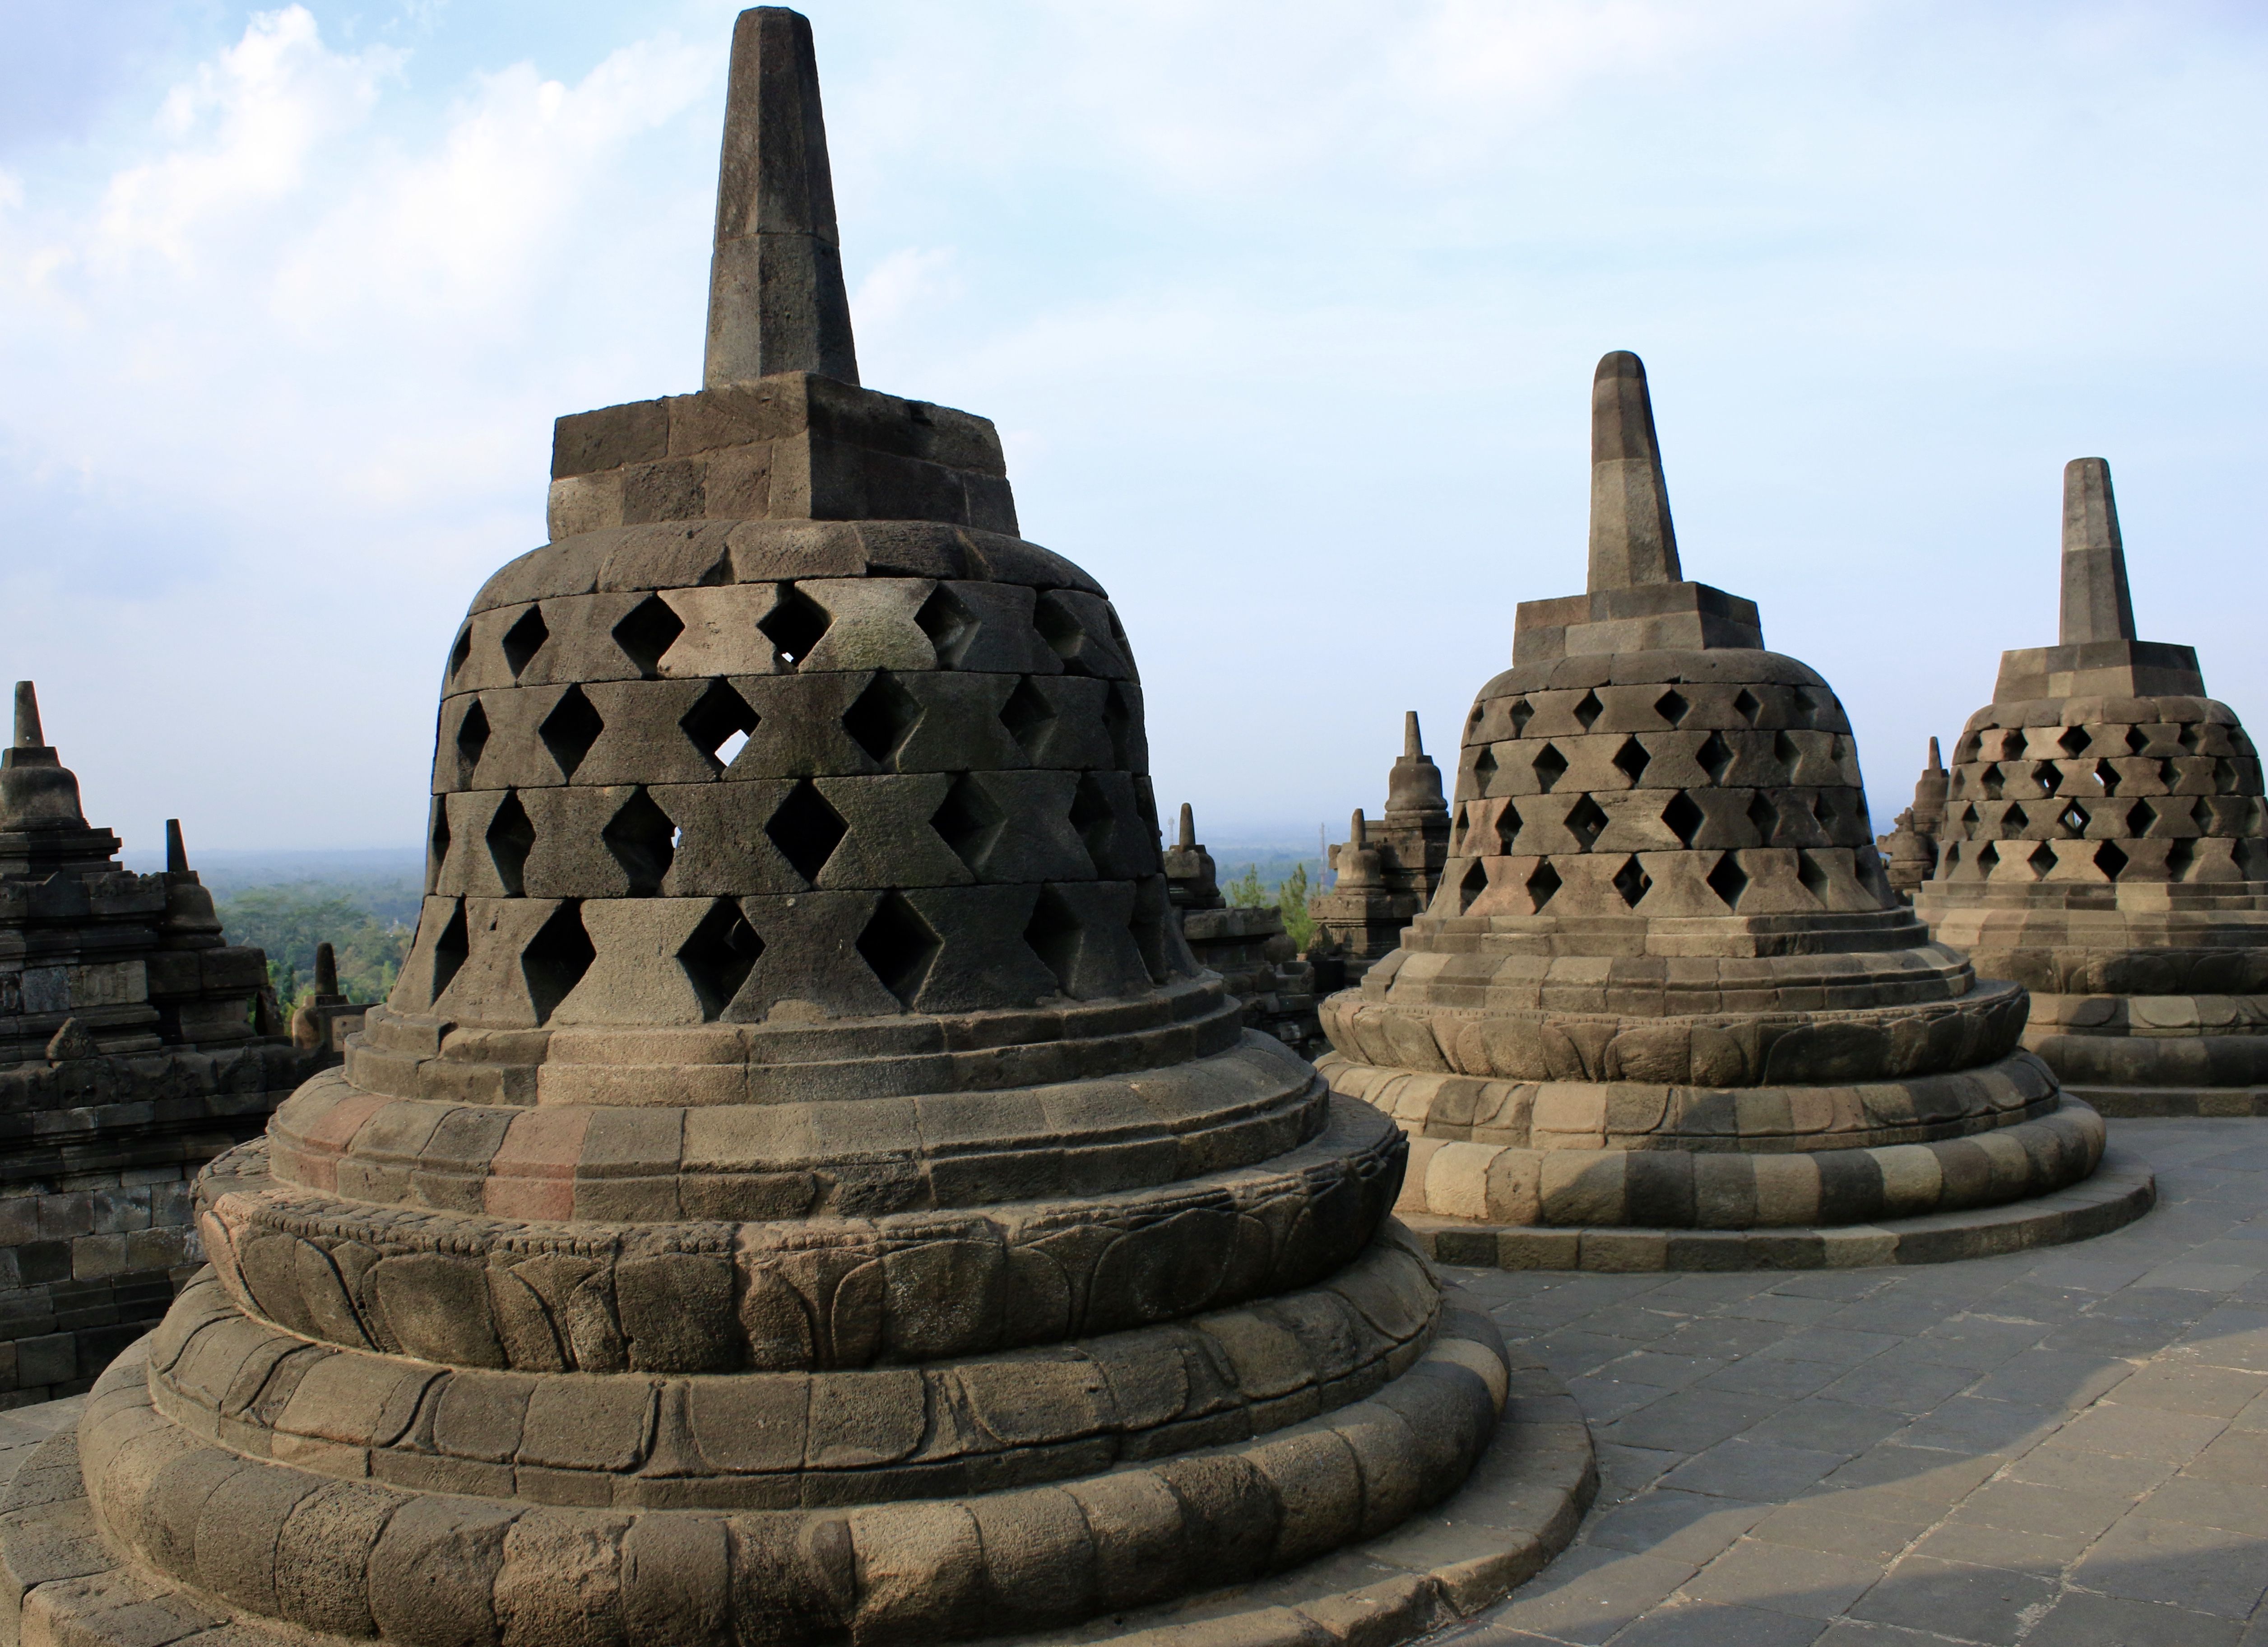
x,y
1632,540
1188,842
1936,762
2096,605
1412,747
776,301
177,850
29,736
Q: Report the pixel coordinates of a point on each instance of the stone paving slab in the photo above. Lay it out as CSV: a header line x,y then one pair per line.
x,y
2061,1447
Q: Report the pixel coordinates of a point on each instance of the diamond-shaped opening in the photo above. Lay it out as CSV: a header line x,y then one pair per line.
x,y
968,819
2109,859
2179,857
1965,751
472,738
2072,818
2042,859
900,946
570,730
1589,710
2191,735
2015,817
2242,745
1092,816
1507,827
1727,880
1458,826
717,957
1061,629
1671,706
1586,820
1484,769
2137,740
1764,817
461,650
1474,883
2048,776
1715,756
1987,855
525,638
880,717
1631,882
2139,816
1543,883
2224,777
807,829
1118,721
1968,816
2107,775
1632,759
1053,934
1806,704
945,618
718,724
2074,739
450,948
642,838
795,623
647,631
1683,815
1522,712
1028,716
1784,752
437,841
1747,705
1146,804
511,838
1988,781
1813,877
1550,767
557,958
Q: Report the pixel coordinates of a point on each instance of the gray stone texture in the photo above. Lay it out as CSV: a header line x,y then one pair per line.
x,y
130,1056
2104,844
1388,872
1663,983
1245,943
802,1187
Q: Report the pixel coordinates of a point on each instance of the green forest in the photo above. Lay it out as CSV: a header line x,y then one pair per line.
x,y
368,924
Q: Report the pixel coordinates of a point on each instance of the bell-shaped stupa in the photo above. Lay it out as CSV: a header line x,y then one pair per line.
x,y
2104,844
1664,987
800,1189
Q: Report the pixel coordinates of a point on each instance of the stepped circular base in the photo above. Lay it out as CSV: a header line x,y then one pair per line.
x,y
2119,1191
2141,1103
1518,1508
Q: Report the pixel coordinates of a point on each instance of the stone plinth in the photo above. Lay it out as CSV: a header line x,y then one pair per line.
x,y
1664,982
2104,843
129,1057
802,1188
1389,870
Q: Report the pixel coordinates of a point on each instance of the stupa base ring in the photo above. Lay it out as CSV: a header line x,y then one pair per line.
x,y
2139,1103
2117,1193
1518,1508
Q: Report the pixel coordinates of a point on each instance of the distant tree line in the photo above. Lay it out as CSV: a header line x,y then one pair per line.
x,y
289,921
1289,895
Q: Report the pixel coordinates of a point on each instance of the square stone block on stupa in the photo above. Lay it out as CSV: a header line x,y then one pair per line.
x,y
1664,1009
2104,844
801,1188
132,1051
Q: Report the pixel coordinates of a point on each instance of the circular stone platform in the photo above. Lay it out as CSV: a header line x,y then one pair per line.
x,y
1518,1508
2119,1191
2136,1102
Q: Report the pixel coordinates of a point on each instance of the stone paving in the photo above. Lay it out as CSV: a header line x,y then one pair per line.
x,y
2065,1448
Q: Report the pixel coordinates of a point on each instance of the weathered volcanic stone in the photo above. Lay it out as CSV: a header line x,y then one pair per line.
x,y
1909,851
1387,871
1246,943
2104,844
135,1046
801,1188
1664,982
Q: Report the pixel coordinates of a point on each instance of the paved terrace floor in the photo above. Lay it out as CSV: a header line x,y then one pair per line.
x,y
2065,1448
2068,1448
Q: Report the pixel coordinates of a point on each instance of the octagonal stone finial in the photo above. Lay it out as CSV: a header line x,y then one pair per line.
x,y
776,301
2096,605
1632,540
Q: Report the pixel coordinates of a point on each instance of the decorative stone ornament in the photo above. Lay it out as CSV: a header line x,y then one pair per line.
x,y
1664,982
2104,844
800,1190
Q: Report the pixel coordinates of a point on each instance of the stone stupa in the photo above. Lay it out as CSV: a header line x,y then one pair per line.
x,y
809,1196
1664,1008
2104,844
1387,870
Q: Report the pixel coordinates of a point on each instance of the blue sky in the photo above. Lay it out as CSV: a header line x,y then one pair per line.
x,y
1286,313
